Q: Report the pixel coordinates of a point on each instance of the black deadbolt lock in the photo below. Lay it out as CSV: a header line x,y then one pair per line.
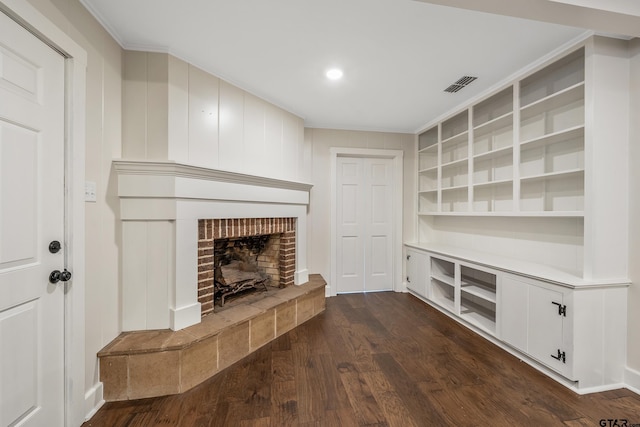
x,y
54,247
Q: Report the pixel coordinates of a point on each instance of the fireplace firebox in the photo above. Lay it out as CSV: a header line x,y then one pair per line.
x,y
238,255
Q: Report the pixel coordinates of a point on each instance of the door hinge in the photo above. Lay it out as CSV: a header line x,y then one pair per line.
x,y
408,281
408,257
561,356
562,308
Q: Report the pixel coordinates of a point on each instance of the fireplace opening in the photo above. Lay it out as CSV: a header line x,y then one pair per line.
x,y
245,265
243,257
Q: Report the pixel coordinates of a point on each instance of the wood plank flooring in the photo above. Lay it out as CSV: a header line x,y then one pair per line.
x,y
382,359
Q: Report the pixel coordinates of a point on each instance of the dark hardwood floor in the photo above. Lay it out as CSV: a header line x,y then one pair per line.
x,y
381,359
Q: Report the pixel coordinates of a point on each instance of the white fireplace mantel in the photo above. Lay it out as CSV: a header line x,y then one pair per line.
x,y
160,205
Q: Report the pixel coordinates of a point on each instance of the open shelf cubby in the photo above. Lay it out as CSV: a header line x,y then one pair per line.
x,y
491,112
493,197
455,199
443,270
553,79
554,192
478,290
428,180
427,202
428,158
493,168
455,150
428,139
454,175
455,127
443,282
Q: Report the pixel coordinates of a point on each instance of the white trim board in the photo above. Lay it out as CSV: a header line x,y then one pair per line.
x,y
75,71
632,380
397,156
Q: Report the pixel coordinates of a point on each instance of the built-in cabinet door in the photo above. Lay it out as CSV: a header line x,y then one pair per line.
x,y
514,311
364,224
546,317
533,320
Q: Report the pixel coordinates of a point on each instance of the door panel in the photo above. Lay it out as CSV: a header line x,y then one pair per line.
x,y
364,224
545,325
514,312
379,255
18,164
18,330
378,225
350,257
31,216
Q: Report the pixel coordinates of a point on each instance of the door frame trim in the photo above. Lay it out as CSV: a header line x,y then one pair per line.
x,y
398,157
74,146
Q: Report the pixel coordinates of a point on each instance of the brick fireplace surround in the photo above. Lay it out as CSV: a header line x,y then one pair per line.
x,y
212,229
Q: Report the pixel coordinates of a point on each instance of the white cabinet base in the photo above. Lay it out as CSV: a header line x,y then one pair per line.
x,y
572,331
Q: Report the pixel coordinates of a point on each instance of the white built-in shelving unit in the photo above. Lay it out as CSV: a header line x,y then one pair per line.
x,y
518,152
521,226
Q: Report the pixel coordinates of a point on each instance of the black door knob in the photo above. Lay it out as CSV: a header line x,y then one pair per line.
x,y
59,276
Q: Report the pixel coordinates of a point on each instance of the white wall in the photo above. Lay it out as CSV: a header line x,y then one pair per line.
x,y
551,241
319,221
633,335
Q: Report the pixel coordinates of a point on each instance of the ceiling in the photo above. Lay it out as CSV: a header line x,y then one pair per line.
x,y
398,56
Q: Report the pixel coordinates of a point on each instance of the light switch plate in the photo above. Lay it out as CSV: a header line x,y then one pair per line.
x,y
89,191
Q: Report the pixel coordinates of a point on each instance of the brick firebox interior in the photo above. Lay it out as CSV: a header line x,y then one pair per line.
x,y
211,229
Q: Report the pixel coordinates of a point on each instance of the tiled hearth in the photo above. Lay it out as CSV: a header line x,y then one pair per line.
x,y
152,363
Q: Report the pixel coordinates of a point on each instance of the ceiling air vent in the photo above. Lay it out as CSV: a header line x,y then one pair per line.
x,y
461,83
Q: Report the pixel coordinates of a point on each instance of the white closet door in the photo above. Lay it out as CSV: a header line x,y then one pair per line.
x,y
364,224
378,175
350,225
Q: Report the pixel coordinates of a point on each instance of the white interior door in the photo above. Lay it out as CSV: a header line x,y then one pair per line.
x,y
350,225
31,216
378,220
364,221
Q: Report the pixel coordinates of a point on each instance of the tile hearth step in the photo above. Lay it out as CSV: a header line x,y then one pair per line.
x,y
142,364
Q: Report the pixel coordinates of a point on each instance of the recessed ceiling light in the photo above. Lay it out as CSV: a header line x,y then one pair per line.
x,y
334,74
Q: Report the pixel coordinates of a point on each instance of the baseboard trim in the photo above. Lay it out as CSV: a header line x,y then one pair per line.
x,y
93,400
185,316
632,380
302,276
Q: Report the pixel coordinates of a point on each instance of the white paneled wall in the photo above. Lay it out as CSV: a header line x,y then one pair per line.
x,y
633,337
202,119
177,112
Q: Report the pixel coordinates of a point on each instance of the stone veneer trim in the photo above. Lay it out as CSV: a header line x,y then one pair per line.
x,y
192,355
